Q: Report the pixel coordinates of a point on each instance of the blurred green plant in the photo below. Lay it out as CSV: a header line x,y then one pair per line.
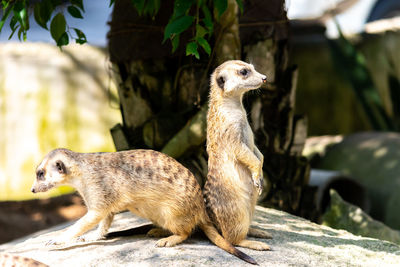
x,y
187,15
44,11
351,64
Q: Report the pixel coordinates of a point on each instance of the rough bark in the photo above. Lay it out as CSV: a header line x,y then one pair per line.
x,y
279,134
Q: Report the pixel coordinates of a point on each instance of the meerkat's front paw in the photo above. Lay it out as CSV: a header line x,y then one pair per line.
x,y
91,237
257,181
258,184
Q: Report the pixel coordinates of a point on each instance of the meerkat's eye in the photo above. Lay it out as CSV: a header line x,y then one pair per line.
x,y
244,72
60,167
40,174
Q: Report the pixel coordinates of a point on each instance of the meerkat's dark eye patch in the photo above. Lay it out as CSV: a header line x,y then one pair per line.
x,y
60,167
40,175
221,82
244,72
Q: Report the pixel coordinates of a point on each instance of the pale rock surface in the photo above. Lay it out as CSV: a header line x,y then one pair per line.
x,y
296,242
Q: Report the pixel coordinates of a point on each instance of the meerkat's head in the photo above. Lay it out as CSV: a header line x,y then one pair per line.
x,y
52,171
235,77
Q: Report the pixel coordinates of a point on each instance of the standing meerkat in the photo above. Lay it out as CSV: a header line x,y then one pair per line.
x,y
148,183
234,178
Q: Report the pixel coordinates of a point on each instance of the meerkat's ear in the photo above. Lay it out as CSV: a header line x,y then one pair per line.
x,y
221,81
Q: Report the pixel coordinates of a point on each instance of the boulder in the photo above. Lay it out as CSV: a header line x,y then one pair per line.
x,y
343,215
296,242
372,159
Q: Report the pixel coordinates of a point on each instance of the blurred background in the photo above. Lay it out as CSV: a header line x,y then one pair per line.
x,y
347,88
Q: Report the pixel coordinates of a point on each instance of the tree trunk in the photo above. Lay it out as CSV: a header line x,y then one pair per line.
x,y
164,97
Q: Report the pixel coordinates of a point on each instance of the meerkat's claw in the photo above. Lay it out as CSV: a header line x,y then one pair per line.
x,y
61,240
260,188
90,237
258,184
51,243
54,242
82,239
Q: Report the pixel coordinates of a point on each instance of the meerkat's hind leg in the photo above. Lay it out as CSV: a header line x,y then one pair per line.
x,y
171,240
158,232
258,233
256,245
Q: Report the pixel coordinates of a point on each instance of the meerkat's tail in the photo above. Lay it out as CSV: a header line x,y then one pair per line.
x,y
212,233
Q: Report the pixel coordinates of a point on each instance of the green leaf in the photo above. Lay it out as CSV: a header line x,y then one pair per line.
x,y
63,40
111,3
4,18
4,4
81,36
151,7
157,5
191,49
139,5
207,18
181,7
177,26
79,33
22,32
38,17
19,33
46,8
75,12
203,43
200,31
80,41
13,23
78,3
58,27
42,12
175,43
221,6
240,5
13,31
21,15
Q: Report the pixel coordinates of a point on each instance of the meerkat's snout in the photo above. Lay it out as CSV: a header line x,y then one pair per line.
x,y
40,178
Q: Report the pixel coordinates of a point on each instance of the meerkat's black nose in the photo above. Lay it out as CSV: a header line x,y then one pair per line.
x,y
33,190
264,80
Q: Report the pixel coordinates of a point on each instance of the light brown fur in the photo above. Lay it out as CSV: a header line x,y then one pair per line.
x,y
10,260
150,184
235,163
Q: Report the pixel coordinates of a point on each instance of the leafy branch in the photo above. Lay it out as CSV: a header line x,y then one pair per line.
x,y
44,11
187,15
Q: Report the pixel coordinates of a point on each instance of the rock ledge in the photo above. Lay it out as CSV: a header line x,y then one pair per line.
x,y
297,242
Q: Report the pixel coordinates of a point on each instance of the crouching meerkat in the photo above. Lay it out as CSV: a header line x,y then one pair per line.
x,y
148,183
234,178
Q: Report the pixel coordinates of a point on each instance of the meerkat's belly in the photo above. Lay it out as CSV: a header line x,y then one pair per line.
x,y
164,202
151,211
243,189
250,190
